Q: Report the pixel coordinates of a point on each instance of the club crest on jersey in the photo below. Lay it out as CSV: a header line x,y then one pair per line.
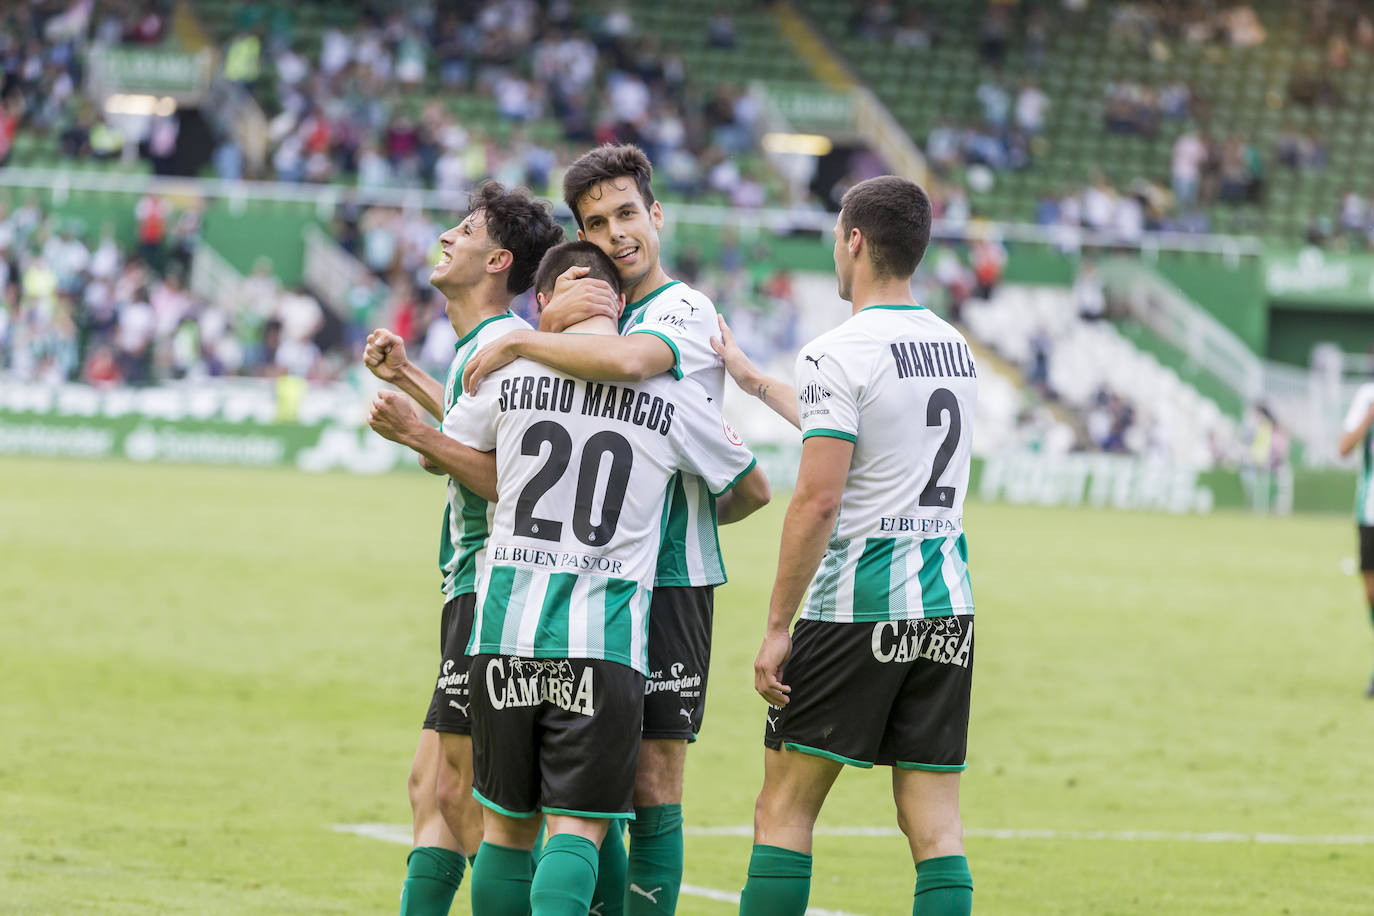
x,y
516,682
945,640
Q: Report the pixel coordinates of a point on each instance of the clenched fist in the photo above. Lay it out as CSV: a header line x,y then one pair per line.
x,y
385,354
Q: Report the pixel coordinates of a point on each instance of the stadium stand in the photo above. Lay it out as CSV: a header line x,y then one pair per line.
x,y
1123,114
1091,366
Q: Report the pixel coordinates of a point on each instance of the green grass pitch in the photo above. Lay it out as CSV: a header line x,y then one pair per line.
x,y
202,671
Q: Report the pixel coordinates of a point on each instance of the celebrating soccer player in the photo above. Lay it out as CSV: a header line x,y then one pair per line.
x,y
666,327
879,669
559,638
486,260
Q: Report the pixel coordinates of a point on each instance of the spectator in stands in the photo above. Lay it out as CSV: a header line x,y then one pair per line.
x,y
1354,213
1189,155
720,30
1031,107
1089,297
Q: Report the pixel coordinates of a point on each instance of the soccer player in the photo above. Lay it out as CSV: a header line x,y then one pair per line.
x,y
879,669
666,328
559,639
486,260
1358,430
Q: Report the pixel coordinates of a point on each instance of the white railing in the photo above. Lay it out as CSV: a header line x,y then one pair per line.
x,y
327,198
214,278
1166,310
1308,402
330,270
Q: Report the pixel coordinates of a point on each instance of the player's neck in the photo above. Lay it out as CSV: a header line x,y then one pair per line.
x,y
652,281
467,311
597,324
868,293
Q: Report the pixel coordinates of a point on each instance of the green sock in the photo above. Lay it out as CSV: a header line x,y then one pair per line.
x,y
779,883
654,869
433,874
609,899
944,887
538,845
566,877
501,881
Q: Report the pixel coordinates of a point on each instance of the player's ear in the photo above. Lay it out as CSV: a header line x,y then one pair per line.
x,y
855,242
500,259
542,299
656,214
581,236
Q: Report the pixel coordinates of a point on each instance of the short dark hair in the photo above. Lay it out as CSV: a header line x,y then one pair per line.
x,y
520,224
575,254
605,163
894,216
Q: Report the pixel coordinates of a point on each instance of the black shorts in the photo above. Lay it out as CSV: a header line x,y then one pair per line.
x,y
448,707
679,661
1366,550
892,693
559,735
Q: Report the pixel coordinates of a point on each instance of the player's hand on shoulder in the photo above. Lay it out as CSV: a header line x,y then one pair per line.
x,y
384,354
487,360
736,363
391,416
577,297
777,646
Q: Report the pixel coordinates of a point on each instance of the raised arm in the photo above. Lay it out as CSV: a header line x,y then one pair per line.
x,y
385,356
392,418
779,396
805,532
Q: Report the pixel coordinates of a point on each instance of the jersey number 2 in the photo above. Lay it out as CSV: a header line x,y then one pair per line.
x,y
605,442
942,400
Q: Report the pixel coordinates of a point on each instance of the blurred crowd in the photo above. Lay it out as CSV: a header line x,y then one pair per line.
x,y
368,103
77,305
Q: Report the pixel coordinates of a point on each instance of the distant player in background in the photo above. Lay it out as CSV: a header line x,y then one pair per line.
x,y
1358,431
486,261
666,328
560,637
879,670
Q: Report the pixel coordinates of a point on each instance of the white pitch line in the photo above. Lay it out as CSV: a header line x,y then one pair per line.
x,y
397,833
1284,839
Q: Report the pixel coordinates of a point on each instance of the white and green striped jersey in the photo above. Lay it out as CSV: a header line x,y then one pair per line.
x,y
1364,488
583,471
685,319
467,516
898,382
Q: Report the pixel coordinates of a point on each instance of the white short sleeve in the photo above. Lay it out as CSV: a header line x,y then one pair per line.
x,y
686,321
1359,406
826,402
472,418
706,445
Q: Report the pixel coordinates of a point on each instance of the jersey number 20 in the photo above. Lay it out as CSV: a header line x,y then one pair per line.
x,y
605,442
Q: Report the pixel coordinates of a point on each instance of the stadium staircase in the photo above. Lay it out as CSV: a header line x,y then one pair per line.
x,y
1087,356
